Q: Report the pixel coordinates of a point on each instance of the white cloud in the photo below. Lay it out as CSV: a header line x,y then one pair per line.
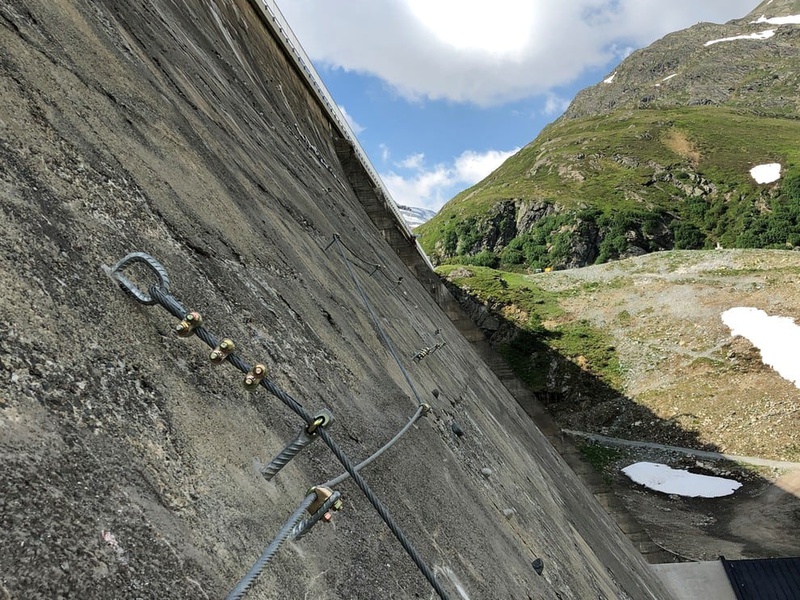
x,y
471,166
413,161
385,154
350,121
555,105
431,186
465,52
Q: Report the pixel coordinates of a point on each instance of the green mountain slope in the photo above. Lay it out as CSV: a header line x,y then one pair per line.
x,y
607,346
624,173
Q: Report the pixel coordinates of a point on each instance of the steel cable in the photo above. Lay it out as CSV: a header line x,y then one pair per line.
x,y
374,318
241,588
337,480
304,526
169,302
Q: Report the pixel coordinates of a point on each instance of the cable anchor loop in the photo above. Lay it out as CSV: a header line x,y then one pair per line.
x,y
128,286
293,448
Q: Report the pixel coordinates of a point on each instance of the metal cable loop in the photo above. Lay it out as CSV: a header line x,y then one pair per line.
x,y
337,480
374,318
128,286
304,526
243,585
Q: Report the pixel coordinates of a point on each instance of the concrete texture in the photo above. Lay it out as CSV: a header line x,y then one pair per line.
x,y
696,581
126,459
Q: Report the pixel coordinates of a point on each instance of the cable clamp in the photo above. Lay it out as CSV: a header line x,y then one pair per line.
x,y
254,377
323,495
320,510
190,322
221,352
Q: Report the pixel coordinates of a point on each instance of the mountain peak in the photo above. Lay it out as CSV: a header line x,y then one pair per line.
x,y
775,8
742,63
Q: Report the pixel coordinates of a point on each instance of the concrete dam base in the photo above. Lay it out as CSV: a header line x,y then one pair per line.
x,y
128,462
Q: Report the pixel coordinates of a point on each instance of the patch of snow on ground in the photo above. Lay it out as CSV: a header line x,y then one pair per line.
x,y
662,478
778,338
766,173
610,79
761,35
791,20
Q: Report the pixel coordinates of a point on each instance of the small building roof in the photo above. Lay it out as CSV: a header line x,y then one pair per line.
x,y
764,578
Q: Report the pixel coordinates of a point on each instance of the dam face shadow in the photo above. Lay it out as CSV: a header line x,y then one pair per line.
x,y
596,428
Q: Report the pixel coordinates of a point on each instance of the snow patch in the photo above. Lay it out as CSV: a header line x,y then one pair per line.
x,y
610,78
766,173
790,20
667,480
415,216
778,338
761,35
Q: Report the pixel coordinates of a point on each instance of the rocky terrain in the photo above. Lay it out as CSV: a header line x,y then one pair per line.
x,y
127,460
636,350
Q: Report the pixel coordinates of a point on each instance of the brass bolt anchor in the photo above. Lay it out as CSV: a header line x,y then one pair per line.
x,y
190,322
254,377
221,352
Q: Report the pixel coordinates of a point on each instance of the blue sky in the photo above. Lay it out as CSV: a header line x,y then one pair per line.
x,y
440,92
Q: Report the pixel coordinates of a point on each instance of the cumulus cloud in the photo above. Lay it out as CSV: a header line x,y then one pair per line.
x,y
414,183
413,161
465,52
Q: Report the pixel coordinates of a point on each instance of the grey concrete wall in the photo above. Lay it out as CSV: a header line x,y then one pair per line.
x,y
126,460
696,581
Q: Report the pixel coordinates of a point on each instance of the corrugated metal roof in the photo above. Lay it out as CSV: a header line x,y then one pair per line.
x,y
764,578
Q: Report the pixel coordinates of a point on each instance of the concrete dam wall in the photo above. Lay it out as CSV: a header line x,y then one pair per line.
x,y
129,463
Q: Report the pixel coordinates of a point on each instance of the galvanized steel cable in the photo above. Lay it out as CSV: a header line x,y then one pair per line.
x,y
241,588
374,318
161,295
421,409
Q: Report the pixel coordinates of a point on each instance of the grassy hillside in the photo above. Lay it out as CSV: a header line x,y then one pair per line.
x,y
649,329
653,179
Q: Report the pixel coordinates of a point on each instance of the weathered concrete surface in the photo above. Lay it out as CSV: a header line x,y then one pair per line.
x,y
180,129
696,581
